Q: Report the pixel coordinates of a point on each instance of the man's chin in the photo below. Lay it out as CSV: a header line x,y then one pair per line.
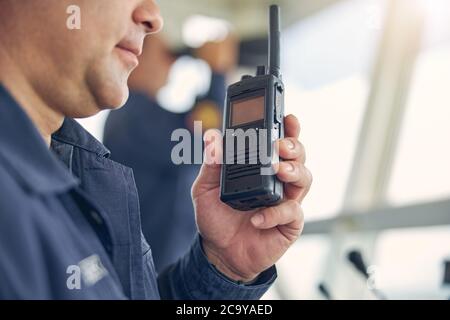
x,y
102,102
108,85
117,103
112,99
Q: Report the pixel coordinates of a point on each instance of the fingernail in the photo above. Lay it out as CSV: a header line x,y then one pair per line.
x,y
290,167
290,144
258,220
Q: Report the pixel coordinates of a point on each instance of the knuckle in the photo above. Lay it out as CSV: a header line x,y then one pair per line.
x,y
295,206
301,214
302,151
309,176
301,222
271,215
291,208
276,213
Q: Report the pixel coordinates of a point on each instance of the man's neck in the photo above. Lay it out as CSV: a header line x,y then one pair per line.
x,y
46,119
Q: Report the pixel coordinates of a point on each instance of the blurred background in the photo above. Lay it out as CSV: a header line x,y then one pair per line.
x,y
370,82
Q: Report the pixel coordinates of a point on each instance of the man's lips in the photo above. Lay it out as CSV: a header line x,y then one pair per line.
x,y
135,49
129,55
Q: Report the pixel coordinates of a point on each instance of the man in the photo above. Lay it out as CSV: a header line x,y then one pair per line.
x,y
70,210
139,136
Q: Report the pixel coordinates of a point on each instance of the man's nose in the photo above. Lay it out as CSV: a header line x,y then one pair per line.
x,y
148,15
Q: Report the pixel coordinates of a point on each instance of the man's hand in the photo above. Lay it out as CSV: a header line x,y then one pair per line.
x,y
243,244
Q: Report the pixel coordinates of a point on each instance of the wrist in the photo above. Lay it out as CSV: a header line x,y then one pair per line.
x,y
221,265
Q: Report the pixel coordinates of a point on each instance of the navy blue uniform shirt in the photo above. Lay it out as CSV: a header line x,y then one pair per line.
x,y
73,210
139,136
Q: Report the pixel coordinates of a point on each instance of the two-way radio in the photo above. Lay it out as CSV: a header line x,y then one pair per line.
x,y
254,104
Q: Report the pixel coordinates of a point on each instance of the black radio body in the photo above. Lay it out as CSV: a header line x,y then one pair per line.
x,y
253,121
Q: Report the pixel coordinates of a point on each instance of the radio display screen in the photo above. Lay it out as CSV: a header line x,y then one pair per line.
x,y
247,110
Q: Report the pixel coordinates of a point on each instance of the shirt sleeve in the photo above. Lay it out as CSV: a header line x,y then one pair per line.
x,y
194,278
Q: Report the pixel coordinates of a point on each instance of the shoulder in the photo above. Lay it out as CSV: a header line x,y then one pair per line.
x,y
23,215
20,209
12,192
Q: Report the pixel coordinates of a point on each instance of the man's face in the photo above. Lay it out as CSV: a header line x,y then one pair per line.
x,y
80,72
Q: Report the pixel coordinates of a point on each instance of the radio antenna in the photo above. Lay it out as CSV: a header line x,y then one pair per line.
x,y
274,41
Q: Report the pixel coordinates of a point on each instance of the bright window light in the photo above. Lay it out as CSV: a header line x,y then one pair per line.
x,y
188,79
330,117
327,61
302,268
199,29
421,169
411,262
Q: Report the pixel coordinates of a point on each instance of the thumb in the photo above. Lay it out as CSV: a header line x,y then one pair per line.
x,y
209,176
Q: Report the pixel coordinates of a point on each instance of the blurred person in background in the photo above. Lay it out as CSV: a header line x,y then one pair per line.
x,y
139,136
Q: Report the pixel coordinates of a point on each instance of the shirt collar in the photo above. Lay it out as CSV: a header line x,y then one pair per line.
x,y
25,153
74,134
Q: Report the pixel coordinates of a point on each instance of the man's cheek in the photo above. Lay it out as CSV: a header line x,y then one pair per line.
x,y
109,83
